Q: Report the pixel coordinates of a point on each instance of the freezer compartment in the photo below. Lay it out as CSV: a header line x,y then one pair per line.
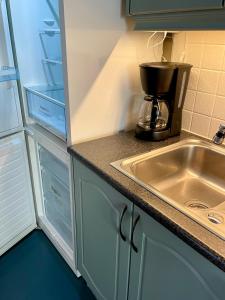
x,y
46,106
56,194
53,165
57,222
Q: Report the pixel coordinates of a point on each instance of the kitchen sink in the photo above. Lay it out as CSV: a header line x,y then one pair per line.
x,y
189,175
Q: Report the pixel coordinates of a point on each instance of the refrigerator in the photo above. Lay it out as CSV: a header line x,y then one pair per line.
x,y
36,188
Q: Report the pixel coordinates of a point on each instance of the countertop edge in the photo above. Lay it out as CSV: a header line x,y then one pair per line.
x,y
175,228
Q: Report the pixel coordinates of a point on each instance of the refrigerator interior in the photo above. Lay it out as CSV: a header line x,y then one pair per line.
x,y
52,183
10,115
40,62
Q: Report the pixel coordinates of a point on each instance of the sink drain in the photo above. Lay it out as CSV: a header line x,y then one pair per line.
x,y
197,205
215,218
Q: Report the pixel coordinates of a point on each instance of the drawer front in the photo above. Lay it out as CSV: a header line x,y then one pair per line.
x,y
141,7
47,113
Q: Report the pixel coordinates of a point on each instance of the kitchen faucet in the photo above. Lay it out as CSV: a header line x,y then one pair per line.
x,y
220,135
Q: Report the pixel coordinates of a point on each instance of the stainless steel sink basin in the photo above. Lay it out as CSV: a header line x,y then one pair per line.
x,y
189,175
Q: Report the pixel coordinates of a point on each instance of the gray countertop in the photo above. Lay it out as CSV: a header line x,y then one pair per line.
x,y
99,153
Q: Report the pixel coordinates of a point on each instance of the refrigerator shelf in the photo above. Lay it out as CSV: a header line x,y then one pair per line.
x,y
50,31
52,61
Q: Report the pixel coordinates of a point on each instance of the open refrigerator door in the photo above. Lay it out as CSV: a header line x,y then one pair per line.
x,y
10,113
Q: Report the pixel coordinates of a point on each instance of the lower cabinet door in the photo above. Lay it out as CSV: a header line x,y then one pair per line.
x,y
103,256
166,268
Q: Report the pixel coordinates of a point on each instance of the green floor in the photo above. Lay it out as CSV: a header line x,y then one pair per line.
x,y
33,270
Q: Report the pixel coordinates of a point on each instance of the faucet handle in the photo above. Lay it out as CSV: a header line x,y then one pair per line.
x,y
222,128
219,136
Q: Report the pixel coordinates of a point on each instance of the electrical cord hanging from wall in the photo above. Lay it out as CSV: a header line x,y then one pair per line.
x,y
158,41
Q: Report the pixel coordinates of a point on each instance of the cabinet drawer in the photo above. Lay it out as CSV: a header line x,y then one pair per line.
x,y
142,7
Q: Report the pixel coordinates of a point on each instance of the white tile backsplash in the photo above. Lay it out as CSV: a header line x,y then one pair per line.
x,y
186,120
214,125
193,54
196,37
219,108
204,103
213,37
204,107
190,100
221,86
194,78
200,124
212,57
208,81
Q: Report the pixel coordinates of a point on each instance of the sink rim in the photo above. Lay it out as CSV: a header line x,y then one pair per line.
x,y
200,216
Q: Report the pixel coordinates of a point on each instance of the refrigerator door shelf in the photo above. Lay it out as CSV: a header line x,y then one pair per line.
x,y
46,106
8,74
10,114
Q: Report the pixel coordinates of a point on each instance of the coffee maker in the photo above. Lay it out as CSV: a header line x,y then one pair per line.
x,y
165,86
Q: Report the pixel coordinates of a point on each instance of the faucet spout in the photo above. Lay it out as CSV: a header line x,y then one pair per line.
x,y
220,135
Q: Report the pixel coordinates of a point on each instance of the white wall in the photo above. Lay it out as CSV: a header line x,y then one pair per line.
x,y
204,107
102,64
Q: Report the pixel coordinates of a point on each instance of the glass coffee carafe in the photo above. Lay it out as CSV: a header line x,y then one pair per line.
x,y
154,114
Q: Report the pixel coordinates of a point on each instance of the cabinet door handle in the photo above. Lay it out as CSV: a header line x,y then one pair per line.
x,y
132,234
123,237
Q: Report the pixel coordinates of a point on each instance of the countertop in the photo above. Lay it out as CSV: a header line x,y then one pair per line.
x,y
98,154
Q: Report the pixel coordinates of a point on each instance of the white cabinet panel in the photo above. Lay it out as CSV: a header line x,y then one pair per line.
x,y
17,215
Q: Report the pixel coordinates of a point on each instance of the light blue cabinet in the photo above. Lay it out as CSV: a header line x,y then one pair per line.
x,y
150,6
177,15
166,268
103,256
151,264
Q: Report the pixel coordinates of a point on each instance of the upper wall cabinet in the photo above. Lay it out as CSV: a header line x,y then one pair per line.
x,y
176,14
151,6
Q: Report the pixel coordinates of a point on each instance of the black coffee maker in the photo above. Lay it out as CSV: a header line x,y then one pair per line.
x,y
165,85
